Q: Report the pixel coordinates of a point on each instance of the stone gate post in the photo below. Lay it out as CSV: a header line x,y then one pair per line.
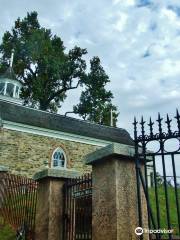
x,y
49,215
114,199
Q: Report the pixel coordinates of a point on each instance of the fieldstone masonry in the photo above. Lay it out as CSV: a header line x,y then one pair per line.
x,y
25,153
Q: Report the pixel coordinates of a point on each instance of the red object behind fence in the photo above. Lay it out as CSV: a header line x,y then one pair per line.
x,y
18,197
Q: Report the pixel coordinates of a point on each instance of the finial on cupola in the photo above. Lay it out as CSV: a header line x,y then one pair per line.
x,y
111,122
10,86
12,58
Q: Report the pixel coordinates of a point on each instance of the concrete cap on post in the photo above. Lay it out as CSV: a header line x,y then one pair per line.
x,y
3,169
56,173
112,150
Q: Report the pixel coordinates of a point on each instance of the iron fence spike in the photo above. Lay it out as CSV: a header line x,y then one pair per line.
x,y
135,121
151,126
168,122
177,112
178,120
161,137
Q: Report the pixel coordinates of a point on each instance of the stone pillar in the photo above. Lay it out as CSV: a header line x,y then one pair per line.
x,y
49,216
115,214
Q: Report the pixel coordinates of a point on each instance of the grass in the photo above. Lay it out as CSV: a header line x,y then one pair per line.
x,y
162,206
6,233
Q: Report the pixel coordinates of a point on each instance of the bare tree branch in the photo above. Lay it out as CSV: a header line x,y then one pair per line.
x,y
62,90
68,113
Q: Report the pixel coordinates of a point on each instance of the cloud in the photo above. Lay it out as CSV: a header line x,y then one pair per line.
x,y
138,42
144,3
175,9
124,2
120,23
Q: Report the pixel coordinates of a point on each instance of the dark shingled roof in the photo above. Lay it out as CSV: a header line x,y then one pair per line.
x,y
25,115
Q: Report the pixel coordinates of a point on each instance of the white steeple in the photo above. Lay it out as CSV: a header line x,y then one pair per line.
x,y
9,85
12,58
111,123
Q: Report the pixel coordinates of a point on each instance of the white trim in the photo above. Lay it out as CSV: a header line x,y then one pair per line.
x,y
54,134
5,87
14,98
65,159
17,101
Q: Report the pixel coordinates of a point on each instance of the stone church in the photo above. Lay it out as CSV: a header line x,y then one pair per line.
x,y
31,140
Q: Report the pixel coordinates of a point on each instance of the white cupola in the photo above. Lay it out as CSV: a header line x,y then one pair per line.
x,y
9,86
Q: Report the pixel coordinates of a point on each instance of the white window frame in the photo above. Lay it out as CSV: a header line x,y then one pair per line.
x,y
14,86
59,149
16,96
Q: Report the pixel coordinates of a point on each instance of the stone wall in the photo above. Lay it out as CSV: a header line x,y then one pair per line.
x,y
25,153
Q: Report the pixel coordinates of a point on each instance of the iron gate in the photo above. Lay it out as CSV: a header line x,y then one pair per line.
x,y
78,208
159,181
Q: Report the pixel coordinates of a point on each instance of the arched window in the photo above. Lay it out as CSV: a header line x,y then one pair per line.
x,y
58,159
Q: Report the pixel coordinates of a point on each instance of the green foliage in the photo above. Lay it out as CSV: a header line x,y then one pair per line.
x,y
95,101
6,233
41,64
162,204
47,73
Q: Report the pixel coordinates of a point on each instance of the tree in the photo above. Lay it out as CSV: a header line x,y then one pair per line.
x,y
95,101
41,64
47,72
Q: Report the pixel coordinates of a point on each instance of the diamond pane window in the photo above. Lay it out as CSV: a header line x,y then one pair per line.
x,y
58,158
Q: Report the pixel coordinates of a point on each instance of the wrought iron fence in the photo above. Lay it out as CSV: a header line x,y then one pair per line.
x,y
78,208
162,197
18,196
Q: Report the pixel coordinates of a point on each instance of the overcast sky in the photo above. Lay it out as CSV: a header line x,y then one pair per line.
x,y
138,42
